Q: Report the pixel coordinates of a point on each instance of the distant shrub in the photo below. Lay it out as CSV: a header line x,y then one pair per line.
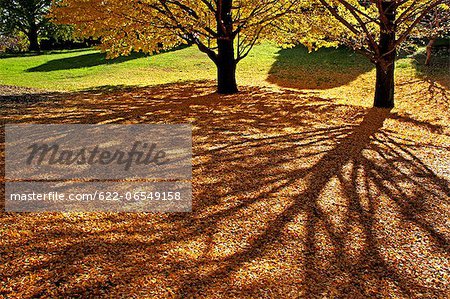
x,y
13,43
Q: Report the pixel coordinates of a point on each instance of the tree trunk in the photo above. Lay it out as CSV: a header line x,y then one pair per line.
x,y
429,50
384,88
33,39
226,68
226,63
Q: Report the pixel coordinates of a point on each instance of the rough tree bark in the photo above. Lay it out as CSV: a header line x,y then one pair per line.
x,y
32,35
226,62
430,50
385,66
226,68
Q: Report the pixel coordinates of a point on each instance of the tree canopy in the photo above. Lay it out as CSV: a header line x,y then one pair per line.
x,y
225,30
436,24
375,28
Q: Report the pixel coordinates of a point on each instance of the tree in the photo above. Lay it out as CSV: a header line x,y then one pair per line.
x,y
225,30
375,28
436,24
27,16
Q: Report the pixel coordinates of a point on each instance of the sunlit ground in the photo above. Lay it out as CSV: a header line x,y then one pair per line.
x,y
296,193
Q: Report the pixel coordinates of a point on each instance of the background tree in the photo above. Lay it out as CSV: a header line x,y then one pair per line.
x,y
375,28
435,25
225,30
27,16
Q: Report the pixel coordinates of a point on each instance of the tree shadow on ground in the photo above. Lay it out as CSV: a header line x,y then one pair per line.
x,y
90,60
322,69
81,61
429,86
294,196
45,52
437,72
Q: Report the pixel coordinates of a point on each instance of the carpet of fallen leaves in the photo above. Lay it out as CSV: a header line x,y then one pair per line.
x,y
294,196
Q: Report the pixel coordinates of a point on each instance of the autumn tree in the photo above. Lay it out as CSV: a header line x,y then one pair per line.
x,y
375,28
436,24
225,30
27,16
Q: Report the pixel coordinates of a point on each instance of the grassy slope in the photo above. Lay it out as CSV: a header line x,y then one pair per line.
x,y
86,69
332,73
166,67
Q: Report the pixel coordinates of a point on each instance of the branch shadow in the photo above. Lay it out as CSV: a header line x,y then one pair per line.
x,y
82,61
90,60
294,196
437,73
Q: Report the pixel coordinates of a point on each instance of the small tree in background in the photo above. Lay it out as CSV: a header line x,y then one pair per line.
x,y
225,30
435,25
375,28
27,16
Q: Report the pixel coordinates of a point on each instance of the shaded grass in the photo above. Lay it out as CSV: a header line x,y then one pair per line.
x,y
323,69
82,61
438,70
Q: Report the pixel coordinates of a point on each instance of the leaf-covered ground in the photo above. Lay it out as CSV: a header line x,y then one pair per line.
x,y
294,195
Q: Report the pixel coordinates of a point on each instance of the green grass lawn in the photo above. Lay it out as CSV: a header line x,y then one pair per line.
x,y
326,69
75,70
